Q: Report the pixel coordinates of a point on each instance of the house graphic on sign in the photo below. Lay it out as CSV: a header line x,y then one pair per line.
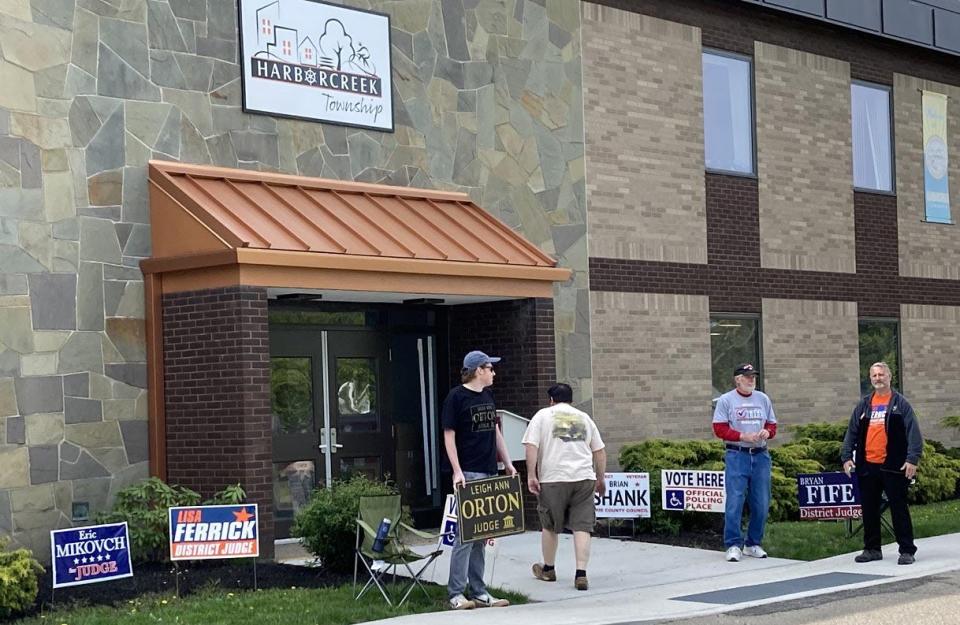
x,y
285,46
267,18
308,52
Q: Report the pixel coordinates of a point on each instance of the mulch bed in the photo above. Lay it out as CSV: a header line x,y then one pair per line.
x,y
152,578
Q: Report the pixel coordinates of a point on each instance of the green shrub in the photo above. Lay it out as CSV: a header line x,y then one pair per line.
x,y
820,431
655,455
18,579
144,507
327,525
937,477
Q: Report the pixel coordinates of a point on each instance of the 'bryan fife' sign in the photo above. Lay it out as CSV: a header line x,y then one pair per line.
x,y
490,508
828,496
316,61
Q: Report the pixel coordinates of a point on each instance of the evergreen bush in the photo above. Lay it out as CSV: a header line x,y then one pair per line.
x,y
18,579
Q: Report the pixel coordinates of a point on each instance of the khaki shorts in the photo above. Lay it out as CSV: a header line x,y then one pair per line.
x,y
567,504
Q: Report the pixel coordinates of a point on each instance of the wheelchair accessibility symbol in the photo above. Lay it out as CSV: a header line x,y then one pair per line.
x,y
674,499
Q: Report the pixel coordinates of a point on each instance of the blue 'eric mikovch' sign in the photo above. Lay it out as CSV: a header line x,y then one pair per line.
x,y
86,555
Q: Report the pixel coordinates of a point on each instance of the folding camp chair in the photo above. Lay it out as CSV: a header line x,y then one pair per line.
x,y
395,553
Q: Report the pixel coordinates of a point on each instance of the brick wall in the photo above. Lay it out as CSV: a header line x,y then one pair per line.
x,y
651,367
217,384
804,161
928,250
811,362
519,331
643,108
930,342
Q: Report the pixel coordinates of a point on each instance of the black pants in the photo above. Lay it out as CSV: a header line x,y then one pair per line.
x,y
874,481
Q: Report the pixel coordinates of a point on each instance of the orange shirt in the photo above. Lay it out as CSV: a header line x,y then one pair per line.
x,y
877,432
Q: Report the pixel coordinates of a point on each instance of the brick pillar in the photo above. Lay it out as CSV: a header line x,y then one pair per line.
x,y
217,379
522,333
519,331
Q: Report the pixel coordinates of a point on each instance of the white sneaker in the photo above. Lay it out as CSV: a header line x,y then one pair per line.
x,y
733,554
459,602
486,600
754,551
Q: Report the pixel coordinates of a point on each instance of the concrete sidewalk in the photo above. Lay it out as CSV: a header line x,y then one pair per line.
x,y
632,581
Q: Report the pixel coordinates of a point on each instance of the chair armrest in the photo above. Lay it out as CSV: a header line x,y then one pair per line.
x,y
366,528
417,532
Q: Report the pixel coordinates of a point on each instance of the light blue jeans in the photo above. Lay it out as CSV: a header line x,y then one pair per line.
x,y
747,478
467,561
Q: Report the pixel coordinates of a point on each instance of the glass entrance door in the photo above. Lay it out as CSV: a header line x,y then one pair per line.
x,y
332,418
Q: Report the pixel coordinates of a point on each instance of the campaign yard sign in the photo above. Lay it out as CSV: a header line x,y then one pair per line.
x,y
627,496
828,496
86,555
700,491
214,532
489,508
448,529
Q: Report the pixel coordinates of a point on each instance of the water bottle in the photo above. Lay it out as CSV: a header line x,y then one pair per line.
x,y
380,541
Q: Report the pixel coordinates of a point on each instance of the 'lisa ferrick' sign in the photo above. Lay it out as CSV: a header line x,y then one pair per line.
x,y
316,61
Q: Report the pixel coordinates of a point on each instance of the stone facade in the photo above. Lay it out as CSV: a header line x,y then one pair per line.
x,y
804,160
651,367
927,250
487,101
811,362
930,344
643,104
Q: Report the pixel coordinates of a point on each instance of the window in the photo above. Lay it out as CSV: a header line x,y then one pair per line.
x,y
872,159
734,340
727,113
879,342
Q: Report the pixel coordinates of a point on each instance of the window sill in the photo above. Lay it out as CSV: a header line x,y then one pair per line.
x,y
938,223
875,192
727,172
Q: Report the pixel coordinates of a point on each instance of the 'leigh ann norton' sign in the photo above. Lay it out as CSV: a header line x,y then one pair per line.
x,y
316,61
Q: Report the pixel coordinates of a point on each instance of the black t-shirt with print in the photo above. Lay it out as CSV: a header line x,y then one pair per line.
x,y
473,416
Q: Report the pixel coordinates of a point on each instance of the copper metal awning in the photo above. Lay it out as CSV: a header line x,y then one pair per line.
x,y
215,227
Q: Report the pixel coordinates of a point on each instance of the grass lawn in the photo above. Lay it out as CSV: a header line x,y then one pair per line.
x,y
812,540
306,606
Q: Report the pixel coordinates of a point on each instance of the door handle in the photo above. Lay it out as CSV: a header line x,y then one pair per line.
x,y
329,442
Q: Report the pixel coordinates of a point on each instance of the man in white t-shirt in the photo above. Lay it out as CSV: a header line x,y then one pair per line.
x,y
565,466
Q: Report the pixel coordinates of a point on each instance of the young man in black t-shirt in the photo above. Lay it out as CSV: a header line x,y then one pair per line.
x,y
473,441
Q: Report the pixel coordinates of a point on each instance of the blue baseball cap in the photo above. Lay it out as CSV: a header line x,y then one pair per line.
x,y
477,359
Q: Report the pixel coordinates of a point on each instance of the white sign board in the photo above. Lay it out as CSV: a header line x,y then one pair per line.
x,y
448,528
700,491
627,496
316,61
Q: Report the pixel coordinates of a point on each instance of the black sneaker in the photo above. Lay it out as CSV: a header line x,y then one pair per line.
x,y
869,555
906,558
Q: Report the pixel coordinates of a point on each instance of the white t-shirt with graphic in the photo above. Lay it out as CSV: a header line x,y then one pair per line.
x,y
566,439
745,414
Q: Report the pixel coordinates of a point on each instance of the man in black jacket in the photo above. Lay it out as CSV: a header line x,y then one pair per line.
x,y
884,434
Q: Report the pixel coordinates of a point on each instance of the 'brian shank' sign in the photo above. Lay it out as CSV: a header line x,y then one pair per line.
x,y
490,508
627,496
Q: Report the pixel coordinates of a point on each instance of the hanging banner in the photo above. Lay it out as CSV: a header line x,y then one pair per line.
x,y
936,162
828,496
627,496
316,61
213,532
85,555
